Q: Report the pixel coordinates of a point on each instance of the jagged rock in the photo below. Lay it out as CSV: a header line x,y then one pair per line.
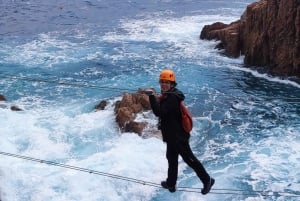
x,y
101,105
136,127
13,108
2,98
268,34
124,115
227,34
127,109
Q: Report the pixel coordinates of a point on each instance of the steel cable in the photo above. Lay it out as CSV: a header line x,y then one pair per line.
x,y
147,183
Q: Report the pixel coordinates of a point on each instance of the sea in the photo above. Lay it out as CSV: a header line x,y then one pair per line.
x,y
60,58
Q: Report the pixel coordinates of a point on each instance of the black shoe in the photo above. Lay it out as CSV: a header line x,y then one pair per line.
x,y
164,184
207,186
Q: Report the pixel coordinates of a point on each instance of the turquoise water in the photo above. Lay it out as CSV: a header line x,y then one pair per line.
x,y
58,59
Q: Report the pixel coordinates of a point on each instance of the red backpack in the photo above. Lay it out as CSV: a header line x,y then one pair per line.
x,y
187,122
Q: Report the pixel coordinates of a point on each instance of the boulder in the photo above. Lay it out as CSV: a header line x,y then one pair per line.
x,y
267,34
13,108
2,98
127,109
101,105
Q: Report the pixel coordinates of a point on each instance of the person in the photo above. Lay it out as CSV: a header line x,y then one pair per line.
x,y
167,109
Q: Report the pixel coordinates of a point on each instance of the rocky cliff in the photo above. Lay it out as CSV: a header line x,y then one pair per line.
x,y
267,34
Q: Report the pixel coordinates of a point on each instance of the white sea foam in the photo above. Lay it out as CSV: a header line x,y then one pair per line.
x,y
267,76
45,50
50,49
181,33
164,29
274,157
54,135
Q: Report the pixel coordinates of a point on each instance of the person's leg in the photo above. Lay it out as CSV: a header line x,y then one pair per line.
x,y
188,157
172,156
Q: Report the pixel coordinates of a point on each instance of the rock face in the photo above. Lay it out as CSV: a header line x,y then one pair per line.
x,y
268,34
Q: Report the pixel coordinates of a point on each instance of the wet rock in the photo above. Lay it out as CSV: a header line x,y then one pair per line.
x,y
227,34
101,105
136,127
5,105
126,110
2,98
15,108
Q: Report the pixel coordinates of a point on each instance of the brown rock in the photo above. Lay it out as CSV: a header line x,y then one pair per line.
x,y
228,34
124,115
268,34
2,98
211,32
136,127
127,109
13,108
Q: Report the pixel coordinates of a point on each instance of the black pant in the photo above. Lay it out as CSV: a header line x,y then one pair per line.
x,y
184,150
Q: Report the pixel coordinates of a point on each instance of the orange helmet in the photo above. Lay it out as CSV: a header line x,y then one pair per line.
x,y
167,75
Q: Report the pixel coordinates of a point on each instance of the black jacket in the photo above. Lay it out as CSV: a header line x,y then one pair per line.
x,y
168,111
